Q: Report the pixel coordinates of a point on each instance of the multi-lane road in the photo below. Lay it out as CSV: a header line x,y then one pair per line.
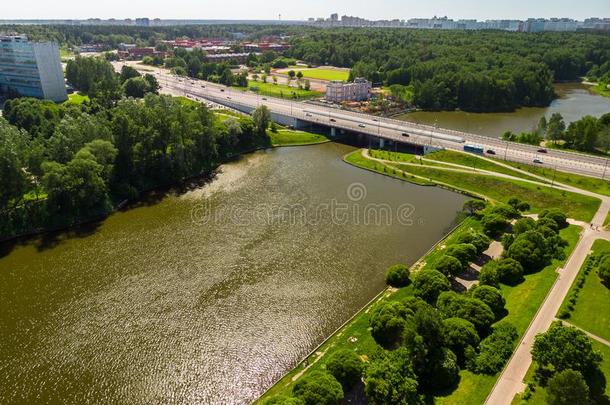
x,y
385,128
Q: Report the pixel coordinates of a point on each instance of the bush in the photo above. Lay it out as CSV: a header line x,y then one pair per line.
x,y
523,225
428,284
496,349
346,366
318,389
398,276
449,266
603,270
509,271
494,224
491,296
504,210
479,240
530,249
283,400
464,252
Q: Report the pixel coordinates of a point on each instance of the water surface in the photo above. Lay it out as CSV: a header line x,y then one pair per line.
x,y
209,296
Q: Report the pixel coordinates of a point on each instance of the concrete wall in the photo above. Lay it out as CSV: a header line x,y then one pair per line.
x,y
50,71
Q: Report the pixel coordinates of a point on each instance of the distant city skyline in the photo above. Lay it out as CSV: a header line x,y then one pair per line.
x,y
271,9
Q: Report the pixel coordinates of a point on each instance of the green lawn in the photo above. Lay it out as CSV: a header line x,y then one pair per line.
x,y
286,137
539,197
280,90
607,221
475,162
605,365
76,98
355,158
322,73
576,180
592,309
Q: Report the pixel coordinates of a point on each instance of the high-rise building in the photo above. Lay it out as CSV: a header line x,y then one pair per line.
x,y
32,69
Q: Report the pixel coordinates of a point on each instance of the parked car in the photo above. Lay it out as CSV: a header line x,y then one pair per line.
x,y
491,152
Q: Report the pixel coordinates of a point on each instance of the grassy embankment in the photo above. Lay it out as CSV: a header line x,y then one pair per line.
x,y
280,90
590,313
595,185
497,189
320,73
76,98
600,89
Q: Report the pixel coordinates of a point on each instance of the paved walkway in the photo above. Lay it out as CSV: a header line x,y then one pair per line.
x,y
591,335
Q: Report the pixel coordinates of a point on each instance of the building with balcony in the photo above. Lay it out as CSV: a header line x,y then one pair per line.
x,y
32,69
338,91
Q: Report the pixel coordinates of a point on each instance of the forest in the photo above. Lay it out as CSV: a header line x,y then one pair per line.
x,y
66,163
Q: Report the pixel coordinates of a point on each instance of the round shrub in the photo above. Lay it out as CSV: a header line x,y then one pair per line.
x,y
428,284
397,276
460,334
556,215
509,271
464,252
493,224
346,366
491,296
489,274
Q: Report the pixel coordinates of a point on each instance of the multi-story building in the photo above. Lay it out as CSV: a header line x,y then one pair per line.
x,y
338,91
32,69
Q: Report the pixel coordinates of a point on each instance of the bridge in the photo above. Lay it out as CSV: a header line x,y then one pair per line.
x,y
382,130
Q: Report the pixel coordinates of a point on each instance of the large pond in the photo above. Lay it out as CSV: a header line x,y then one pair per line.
x,y
208,296
574,101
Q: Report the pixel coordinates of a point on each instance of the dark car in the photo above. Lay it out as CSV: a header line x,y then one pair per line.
x,y
538,161
222,90
333,120
405,134
542,151
491,152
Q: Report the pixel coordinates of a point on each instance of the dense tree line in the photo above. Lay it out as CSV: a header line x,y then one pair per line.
x,y
65,163
475,71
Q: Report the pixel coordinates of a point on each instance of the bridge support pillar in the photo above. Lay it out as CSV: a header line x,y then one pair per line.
x,y
381,143
333,132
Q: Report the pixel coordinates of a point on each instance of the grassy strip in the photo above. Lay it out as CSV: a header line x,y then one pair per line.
x,y
355,158
358,328
76,98
475,162
287,137
576,180
607,221
592,309
522,303
321,73
280,90
574,205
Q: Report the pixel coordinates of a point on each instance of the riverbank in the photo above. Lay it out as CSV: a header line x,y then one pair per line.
x,y
281,137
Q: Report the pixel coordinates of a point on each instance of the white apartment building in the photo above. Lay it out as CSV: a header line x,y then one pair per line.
x,y
338,91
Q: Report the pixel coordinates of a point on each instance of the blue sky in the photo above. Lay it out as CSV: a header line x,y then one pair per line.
x,y
301,9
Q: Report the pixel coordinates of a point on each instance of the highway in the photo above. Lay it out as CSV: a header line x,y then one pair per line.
x,y
385,128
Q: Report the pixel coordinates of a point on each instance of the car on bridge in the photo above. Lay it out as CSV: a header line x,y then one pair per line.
x,y
362,125
538,161
405,134
542,151
491,152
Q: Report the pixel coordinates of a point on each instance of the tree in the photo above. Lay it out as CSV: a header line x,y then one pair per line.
x,y
283,400
388,322
398,276
562,348
555,127
449,266
464,252
493,224
13,181
318,388
459,334
479,240
523,225
491,296
274,78
292,74
529,249
346,366
509,271
557,216
128,72
261,117
390,380
496,349
153,84
135,87
603,270
307,85
428,284
489,274
567,387
264,78
299,75
452,304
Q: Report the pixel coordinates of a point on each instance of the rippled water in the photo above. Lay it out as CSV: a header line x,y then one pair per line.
x,y
208,296
574,102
